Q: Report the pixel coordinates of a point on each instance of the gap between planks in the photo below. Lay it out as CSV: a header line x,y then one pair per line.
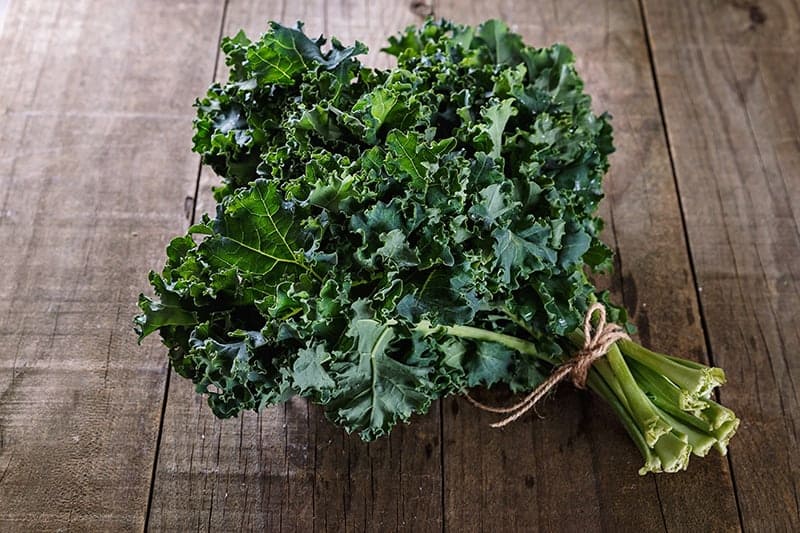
x,y
682,212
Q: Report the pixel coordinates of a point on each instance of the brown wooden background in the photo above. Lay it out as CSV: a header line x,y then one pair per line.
x,y
96,174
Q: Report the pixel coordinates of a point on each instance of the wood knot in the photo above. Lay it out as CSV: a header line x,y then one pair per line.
x,y
757,15
421,8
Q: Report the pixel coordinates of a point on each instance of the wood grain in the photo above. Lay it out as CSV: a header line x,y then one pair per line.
x,y
577,468
728,79
93,163
289,469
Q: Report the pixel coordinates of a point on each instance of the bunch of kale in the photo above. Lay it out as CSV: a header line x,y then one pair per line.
x,y
384,238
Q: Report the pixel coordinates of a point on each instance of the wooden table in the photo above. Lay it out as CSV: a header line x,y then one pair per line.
x,y
96,175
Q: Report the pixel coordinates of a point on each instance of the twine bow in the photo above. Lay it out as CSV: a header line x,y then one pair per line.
x,y
595,346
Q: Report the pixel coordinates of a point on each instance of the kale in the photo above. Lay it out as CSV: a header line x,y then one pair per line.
x,y
385,238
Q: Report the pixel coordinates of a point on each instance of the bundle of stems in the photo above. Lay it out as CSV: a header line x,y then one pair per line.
x,y
665,403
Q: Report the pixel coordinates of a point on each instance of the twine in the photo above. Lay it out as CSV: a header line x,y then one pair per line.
x,y
577,368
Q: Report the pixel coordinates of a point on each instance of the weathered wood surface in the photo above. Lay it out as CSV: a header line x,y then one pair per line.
x,y
729,86
94,160
94,170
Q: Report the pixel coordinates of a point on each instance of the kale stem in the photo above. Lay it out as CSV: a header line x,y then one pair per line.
x,y
604,369
700,441
644,412
723,434
698,380
673,449
715,414
659,386
478,334
598,385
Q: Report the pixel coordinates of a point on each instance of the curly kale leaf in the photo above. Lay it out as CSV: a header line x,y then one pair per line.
x,y
258,235
284,53
373,389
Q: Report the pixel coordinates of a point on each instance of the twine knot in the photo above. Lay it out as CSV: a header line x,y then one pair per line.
x,y
595,346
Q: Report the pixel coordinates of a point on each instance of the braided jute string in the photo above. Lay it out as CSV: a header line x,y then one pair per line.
x,y
595,346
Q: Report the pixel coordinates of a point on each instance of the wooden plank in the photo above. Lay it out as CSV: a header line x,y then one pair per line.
x,y
94,165
728,75
288,468
577,466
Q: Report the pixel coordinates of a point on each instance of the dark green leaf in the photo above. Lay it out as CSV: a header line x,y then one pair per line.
x,y
309,376
255,233
374,391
